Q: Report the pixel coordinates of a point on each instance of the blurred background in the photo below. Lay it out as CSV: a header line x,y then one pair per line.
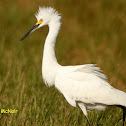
x,y
92,32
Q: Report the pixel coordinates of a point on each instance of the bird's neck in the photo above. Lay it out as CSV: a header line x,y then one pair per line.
x,y
49,62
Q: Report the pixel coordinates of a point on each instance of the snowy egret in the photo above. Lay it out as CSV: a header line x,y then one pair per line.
x,y
82,85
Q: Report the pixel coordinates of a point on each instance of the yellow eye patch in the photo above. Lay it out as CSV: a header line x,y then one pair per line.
x,y
40,21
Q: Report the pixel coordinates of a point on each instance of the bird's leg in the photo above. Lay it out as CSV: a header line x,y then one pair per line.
x,y
88,121
123,118
124,114
84,110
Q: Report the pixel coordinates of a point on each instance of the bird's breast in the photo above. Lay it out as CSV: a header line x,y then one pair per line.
x,y
49,74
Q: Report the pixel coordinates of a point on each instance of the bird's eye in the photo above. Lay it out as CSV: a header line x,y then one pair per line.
x,y
39,22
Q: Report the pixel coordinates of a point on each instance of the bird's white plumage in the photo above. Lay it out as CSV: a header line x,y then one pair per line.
x,y
82,85
48,14
50,66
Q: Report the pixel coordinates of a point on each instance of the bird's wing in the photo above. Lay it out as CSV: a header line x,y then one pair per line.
x,y
84,83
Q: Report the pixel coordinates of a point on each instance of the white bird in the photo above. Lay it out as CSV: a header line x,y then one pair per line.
x,y
82,85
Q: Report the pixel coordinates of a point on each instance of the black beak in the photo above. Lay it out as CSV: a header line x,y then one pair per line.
x,y
25,35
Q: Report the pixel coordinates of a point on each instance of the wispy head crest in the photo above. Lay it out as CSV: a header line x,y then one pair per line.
x,y
47,12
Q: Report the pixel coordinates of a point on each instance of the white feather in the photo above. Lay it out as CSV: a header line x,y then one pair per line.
x,y
82,85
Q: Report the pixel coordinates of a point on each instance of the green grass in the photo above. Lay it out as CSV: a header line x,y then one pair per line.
x,y
97,35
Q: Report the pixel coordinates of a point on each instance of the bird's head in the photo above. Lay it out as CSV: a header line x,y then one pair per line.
x,y
44,16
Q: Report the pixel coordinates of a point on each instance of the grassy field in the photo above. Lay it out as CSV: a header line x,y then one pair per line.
x,y
92,32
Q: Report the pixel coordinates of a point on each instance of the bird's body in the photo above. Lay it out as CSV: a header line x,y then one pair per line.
x,y
82,85
85,84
